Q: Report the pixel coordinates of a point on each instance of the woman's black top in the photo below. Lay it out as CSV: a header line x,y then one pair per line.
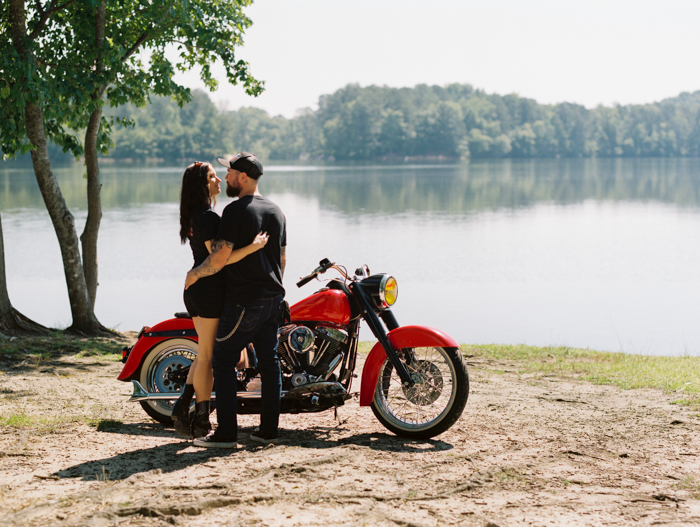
x,y
205,298
205,225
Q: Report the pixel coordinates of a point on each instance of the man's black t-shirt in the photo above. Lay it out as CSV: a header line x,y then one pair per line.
x,y
258,275
205,225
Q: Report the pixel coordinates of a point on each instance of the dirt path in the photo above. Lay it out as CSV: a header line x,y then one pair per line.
x,y
527,451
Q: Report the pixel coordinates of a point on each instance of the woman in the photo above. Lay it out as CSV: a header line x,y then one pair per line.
x,y
205,299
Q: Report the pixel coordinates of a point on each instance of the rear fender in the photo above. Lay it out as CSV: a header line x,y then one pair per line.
x,y
403,337
168,329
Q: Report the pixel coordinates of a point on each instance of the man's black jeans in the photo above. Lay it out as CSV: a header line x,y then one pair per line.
x,y
239,325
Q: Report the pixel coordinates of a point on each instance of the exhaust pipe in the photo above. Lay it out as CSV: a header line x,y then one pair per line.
x,y
140,394
329,388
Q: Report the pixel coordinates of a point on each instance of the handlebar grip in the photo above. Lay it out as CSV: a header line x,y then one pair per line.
x,y
305,280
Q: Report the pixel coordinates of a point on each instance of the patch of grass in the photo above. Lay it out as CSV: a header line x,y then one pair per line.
x,y
513,478
39,355
690,484
106,357
57,344
49,424
627,371
691,402
22,421
363,348
16,421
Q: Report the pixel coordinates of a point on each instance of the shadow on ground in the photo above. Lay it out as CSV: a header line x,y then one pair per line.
x,y
176,456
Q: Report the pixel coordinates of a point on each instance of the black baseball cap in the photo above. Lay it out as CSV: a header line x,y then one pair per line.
x,y
244,162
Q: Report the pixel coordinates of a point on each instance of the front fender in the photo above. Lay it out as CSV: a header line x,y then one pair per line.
x,y
168,329
403,337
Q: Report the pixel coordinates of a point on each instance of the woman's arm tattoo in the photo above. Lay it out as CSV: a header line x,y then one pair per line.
x,y
218,244
206,268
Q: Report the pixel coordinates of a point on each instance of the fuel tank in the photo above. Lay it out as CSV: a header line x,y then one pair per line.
x,y
326,305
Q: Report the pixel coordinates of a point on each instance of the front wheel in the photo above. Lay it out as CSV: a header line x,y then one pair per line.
x,y
164,370
433,403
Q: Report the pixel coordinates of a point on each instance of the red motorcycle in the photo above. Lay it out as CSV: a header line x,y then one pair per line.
x,y
414,378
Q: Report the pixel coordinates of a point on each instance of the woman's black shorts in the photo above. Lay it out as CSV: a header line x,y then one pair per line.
x,y
206,297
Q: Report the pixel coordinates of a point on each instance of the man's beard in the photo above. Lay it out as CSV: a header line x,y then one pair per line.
x,y
232,192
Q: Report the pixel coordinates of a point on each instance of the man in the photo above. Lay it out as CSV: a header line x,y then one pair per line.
x,y
254,295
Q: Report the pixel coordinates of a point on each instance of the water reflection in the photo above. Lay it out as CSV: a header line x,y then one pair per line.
x,y
454,189
494,185
591,253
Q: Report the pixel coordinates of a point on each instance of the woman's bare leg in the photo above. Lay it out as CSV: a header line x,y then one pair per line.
x,y
190,374
203,376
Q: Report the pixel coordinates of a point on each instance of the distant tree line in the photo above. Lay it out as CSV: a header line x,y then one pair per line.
x,y
375,123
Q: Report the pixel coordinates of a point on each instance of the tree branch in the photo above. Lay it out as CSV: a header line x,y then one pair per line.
x,y
39,8
45,15
143,38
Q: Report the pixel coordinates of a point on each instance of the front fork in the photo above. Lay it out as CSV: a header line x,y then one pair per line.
x,y
376,326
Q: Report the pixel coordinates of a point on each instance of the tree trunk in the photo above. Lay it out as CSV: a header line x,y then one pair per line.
x,y
94,217
84,320
94,186
11,320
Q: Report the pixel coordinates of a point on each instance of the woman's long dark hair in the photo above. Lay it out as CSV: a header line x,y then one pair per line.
x,y
193,196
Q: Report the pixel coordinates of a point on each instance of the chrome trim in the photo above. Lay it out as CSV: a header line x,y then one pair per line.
x,y
308,336
140,394
333,365
321,350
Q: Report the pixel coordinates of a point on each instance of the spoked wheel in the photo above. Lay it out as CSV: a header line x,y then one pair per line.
x,y
164,370
433,403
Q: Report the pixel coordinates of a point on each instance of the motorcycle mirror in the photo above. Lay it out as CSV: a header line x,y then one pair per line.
x,y
362,272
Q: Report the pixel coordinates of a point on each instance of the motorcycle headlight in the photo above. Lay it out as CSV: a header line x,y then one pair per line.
x,y
383,289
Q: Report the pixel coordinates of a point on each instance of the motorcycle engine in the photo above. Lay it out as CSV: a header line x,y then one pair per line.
x,y
309,355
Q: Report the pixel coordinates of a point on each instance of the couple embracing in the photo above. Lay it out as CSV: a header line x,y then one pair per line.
x,y
234,294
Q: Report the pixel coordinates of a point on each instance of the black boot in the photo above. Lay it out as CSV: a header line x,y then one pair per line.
x,y
181,412
200,422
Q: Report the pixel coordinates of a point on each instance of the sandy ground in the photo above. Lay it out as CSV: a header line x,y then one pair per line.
x,y
528,450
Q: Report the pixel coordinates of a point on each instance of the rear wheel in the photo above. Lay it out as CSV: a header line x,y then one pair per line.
x,y
433,403
164,370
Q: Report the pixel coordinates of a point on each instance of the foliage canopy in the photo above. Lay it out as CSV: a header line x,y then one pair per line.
x,y
134,60
453,121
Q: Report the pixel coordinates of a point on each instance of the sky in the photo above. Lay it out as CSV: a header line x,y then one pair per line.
x,y
587,52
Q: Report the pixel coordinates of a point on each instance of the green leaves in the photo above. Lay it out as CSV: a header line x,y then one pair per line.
x,y
73,67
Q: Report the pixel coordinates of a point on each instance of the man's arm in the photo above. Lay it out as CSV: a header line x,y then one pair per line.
x,y
212,265
283,259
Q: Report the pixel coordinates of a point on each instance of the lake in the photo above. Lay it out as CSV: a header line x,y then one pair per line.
x,y
592,253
